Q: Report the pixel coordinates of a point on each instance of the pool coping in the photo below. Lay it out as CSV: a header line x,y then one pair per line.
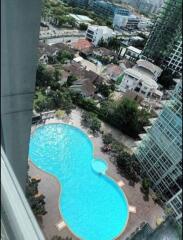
x,y
60,185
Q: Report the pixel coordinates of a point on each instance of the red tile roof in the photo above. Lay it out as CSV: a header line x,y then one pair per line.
x,y
81,44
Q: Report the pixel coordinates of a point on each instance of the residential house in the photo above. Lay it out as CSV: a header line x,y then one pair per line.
x,y
87,80
81,44
104,55
45,51
142,79
112,72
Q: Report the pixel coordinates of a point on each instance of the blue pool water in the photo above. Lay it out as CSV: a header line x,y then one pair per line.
x,y
99,166
92,204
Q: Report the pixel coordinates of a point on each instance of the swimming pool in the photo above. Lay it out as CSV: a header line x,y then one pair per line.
x,y
91,204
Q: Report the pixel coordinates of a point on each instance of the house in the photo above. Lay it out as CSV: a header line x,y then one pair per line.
x,y
87,80
95,33
142,79
81,44
151,69
45,51
104,54
85,87
132,53
88,65
112,72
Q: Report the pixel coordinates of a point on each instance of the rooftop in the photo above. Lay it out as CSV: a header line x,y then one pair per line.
x,y
105,52
134,49
81,18
50,49
143,77
104,28
113,70
81,44
84,86
149,66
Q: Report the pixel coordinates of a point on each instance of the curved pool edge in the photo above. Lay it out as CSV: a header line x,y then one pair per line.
x,y
106,175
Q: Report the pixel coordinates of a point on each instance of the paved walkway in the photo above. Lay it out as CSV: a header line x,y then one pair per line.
x,y
145,211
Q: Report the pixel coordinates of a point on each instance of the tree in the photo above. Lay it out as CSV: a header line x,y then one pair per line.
x,y
104,89
95,124
64,55
60,238
114,44
91,121
83,26
166,79
139,44
70,80
42,102
102,43
45,76
37,202
145,188
145,184
126,164
107,138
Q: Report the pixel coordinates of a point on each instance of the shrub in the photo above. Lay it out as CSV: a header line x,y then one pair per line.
x,y
60,238
60,113
107,138
37,202
83,26
91,121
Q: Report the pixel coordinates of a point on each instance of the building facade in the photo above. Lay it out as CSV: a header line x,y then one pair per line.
x,y
129,22
20,24
174,61
108,9
165,35
79,3
160,153
95,33
146,7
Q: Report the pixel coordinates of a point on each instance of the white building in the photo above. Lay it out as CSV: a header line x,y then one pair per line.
x,y
144,23
130,22
95,33
81,19
141,79
132,53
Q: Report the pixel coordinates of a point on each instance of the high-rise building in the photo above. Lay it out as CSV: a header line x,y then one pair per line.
x,y
174,61
79,3
160,153
108,9
166,230
165,36
20,23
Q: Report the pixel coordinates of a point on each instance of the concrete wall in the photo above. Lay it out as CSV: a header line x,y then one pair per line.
x,y
20,20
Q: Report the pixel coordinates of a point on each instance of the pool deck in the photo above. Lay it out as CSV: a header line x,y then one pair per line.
x,y
140,211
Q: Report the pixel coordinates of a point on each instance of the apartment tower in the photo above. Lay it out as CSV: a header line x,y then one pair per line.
x,y
165,39
20,24
160,153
